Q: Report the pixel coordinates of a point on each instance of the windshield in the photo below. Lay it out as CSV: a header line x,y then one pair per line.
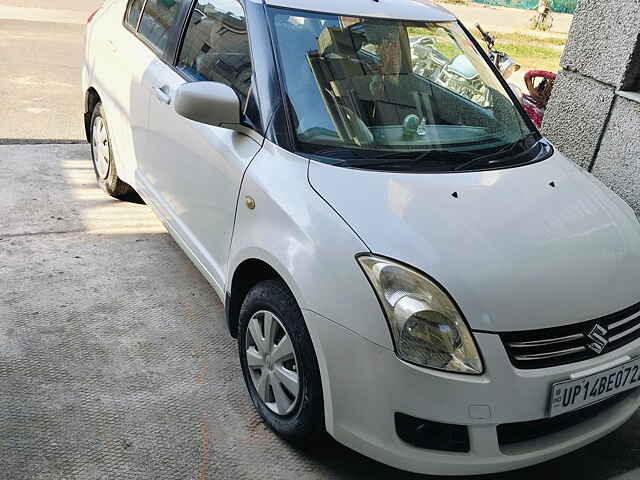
x,y
394,94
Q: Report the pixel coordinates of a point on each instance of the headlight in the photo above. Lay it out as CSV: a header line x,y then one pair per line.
x,y
426,326
508,67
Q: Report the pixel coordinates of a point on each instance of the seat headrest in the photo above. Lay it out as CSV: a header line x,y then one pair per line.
x,y
341,42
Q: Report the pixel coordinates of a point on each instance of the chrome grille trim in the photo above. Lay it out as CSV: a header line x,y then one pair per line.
x,y
550,341
624,321
624,334
563,345
547,355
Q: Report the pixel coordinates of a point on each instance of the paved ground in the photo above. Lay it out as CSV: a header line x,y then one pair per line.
x,y
115,362
41,51
501,19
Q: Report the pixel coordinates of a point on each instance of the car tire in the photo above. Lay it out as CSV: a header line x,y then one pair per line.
x,y
265,366
104,164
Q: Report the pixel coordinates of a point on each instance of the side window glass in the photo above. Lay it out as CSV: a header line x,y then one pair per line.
x,y
133,12
216,46
157,19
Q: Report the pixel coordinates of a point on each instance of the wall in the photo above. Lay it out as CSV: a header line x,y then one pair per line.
x,y
594,113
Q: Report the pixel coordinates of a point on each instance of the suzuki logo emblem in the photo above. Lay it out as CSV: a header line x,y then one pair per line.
x,y
600,342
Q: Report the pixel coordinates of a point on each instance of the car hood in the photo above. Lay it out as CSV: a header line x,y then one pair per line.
x,y
537,246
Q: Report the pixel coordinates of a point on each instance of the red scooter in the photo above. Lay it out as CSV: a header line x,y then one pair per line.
x,y
540,85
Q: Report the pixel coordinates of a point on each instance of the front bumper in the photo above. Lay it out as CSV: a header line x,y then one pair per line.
x,y
366,384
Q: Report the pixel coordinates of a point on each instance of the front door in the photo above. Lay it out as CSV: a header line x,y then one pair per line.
x,y
193,171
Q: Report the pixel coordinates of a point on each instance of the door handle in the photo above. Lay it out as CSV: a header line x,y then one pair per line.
x,y
112,46
162,94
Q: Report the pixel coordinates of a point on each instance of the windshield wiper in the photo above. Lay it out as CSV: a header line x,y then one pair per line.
x,y
403,159
341,154
400,160
394,160
371,157
405,156
487,159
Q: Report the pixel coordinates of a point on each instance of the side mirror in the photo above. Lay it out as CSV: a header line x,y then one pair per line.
x,y
210,103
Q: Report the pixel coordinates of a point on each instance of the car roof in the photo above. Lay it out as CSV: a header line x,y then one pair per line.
x,y
421,10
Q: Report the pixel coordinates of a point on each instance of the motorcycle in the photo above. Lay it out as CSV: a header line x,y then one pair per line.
x,y
505,65
539,83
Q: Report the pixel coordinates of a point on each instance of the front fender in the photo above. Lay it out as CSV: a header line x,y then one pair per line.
x,y
303,239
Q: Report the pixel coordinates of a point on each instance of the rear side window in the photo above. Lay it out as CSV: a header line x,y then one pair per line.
x,y
157,19
216,46
133,12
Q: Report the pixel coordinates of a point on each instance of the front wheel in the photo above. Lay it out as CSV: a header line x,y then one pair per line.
x,y
102,155
535,21
279,364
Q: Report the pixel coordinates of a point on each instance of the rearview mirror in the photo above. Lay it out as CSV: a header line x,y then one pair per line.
x,y
210,103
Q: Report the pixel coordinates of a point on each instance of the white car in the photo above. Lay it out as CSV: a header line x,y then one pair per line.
x,y
407,264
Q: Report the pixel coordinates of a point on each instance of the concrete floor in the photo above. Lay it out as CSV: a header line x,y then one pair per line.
x,y
41,52
115,361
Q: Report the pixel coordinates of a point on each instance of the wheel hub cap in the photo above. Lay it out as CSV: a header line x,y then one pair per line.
x,y
100,142
272,363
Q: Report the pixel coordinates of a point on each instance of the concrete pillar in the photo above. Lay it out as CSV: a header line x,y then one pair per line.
x,y
594,113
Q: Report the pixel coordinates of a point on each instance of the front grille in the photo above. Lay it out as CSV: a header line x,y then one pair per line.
x,y
512,433
562,345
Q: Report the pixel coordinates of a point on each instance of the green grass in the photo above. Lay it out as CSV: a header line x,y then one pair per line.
x,y
530,51
443,44
533,39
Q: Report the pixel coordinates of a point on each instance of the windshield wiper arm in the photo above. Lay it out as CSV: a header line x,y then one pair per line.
x,y
372,156
487,158
401,160
427,155
341,154
405,156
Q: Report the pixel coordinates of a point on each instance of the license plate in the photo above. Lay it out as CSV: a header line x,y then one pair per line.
x,y
574,394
